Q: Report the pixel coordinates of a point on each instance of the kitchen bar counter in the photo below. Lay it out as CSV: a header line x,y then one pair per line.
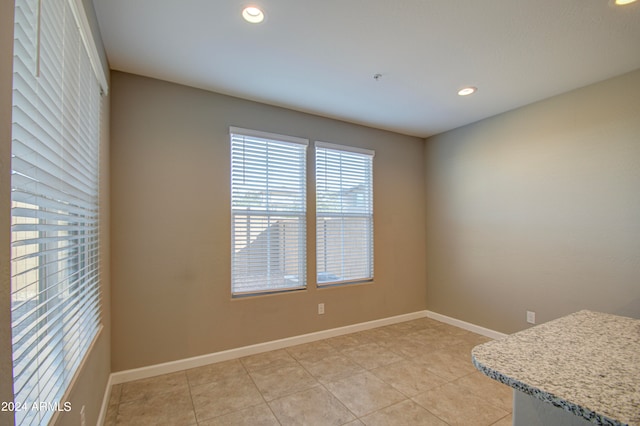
x,y
587,363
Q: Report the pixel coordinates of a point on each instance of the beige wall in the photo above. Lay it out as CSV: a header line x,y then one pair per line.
x,y
6,69
171,231
538,209
89,386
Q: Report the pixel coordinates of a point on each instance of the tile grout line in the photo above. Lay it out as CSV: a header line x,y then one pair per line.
x,y
261,394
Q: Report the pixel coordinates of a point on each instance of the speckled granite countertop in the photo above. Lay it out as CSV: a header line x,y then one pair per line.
x,y
587,363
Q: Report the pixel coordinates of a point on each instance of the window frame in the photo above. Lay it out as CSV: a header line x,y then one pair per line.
x,y
368,217
270,213
55,224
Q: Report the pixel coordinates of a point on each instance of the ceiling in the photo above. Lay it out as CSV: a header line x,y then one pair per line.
x,y
321,56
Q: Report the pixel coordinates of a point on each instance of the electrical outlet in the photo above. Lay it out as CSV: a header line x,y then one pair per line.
x,y
320,308
83,420
531,317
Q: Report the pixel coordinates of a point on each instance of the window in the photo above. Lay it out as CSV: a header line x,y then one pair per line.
x,y
55,268
344,214
268,209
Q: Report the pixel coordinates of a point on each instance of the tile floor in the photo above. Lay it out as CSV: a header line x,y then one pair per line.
x,y
412,373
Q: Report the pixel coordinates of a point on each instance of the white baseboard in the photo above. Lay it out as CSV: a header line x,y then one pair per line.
x,y
466,325
199,361
105,402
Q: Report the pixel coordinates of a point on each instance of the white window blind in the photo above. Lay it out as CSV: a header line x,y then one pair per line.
x,y
55,273
344,214
268,208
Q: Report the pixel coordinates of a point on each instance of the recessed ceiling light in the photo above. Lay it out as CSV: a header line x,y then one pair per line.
x,y
623,2
253,14
466,91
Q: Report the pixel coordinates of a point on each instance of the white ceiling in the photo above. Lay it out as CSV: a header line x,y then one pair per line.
x,y
321,56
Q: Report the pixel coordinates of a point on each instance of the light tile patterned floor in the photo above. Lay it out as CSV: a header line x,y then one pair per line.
x,y
412,373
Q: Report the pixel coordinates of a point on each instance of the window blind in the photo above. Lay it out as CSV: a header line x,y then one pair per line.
x,y
55,267
268,208
344,214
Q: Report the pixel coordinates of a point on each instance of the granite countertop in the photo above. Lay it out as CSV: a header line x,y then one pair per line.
x,y
587,363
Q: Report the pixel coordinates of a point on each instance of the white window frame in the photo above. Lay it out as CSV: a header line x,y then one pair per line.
x,y
268,212
55,253
340,259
